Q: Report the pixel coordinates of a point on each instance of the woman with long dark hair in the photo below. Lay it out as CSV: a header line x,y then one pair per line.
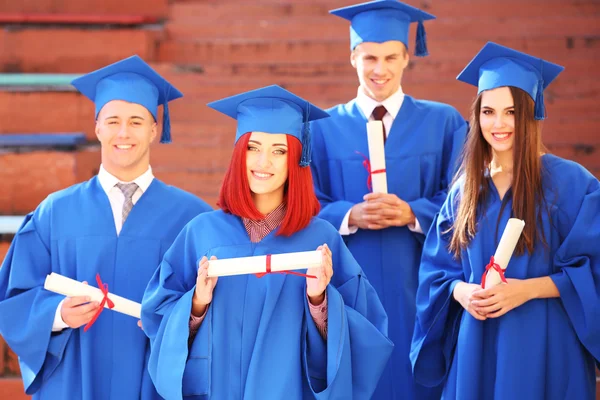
x,y
537,334
277,336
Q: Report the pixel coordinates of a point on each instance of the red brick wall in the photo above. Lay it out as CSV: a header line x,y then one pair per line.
x,y
215,48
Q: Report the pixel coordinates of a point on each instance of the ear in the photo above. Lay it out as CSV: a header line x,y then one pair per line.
x,y
97,129
353,57
154,132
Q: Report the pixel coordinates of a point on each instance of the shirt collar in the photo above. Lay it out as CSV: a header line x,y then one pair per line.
x,y
108,181
392,104
271,221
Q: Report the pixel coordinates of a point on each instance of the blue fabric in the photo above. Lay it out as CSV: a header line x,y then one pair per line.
x,y
497,66
72,233
544,349
421,151
381,21
270,109
258,340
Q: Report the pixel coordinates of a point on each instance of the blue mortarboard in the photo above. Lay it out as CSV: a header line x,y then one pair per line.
x,y
383,20
496,66
134,81
272,109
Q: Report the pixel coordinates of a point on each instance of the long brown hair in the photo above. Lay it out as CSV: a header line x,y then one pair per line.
x,y
527,191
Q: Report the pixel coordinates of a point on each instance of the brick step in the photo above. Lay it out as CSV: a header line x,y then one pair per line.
x,y
319,27
72,50
193,121
151,8
12,388
246,51
256,12
27,178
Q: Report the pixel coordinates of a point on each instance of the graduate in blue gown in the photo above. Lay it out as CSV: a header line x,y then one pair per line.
x,y
423,139
263,338
538,335
118,225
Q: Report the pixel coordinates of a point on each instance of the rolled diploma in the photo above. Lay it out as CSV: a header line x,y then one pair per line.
x,y
505,249
258,264
69,287
377,156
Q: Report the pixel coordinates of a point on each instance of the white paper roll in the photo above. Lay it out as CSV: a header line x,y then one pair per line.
x,y
258,264
69,287
377,156
505,249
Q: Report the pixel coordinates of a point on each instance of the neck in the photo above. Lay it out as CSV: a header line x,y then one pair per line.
x,y
266,203
502,162
126,174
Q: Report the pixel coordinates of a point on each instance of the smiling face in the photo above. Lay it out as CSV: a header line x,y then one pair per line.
x,y
125,131
267,166
379,67
497,120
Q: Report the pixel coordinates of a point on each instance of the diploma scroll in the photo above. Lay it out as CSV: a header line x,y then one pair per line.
x,y
505,249
69,287
258,264
377,156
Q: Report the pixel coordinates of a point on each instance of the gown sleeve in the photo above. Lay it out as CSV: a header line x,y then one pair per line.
x,y
332,211
27,310
349,364
577,259
426,208
166,307
438,314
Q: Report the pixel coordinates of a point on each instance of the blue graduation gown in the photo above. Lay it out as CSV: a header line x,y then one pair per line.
x,y
73,233
258,339
421,151
544,349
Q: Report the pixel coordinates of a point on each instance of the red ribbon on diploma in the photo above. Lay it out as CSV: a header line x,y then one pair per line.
x,y
367,164
493,265
260,275
105,300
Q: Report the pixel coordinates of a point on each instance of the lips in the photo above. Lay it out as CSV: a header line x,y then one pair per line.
x,y
263,176
379,82
501,136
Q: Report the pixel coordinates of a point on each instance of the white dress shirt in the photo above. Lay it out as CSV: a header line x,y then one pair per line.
x,y
116,199
366,104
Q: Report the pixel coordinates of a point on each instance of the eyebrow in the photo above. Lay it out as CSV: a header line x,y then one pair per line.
x,y
116,116
275,144
491,108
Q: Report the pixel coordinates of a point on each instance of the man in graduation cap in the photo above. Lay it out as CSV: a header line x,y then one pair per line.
x,y
111,230
422,140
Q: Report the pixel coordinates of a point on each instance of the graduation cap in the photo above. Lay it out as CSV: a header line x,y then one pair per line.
x,y
383,20
496,66
134,81
272,109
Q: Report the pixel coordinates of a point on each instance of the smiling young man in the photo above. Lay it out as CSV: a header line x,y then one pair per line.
x,y
423,140
118,225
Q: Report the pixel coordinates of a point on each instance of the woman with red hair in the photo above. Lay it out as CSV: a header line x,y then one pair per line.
x,y
321,335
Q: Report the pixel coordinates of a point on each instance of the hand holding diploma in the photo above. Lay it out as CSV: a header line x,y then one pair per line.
x,y
75,308
315,288
205,286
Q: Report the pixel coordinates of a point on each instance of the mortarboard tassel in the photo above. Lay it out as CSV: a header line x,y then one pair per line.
x,y
166,128
421,45
165,137
305,158
540,109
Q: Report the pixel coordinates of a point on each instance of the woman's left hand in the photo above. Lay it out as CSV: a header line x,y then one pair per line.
x,y
500,299
315,288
